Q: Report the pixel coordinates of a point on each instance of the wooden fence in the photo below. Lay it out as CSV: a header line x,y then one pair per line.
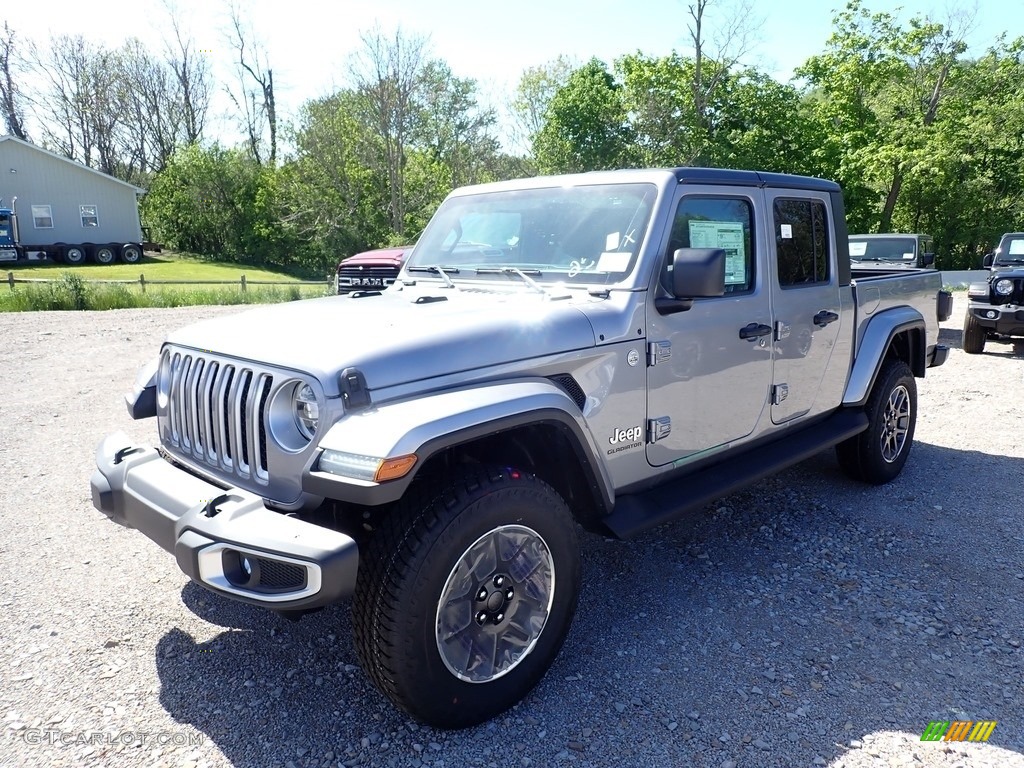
x,y
142,282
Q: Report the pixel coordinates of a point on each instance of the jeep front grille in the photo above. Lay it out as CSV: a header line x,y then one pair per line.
x,y
217,413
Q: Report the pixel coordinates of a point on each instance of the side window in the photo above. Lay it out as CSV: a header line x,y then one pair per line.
x,y
89,216
801,242
717,222
42,217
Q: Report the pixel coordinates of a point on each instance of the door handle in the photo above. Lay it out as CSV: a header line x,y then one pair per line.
x,y
825,317
752,330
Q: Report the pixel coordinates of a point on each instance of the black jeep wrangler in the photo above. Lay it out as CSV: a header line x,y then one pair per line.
x,y
996,306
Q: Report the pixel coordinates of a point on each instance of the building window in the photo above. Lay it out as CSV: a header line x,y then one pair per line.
x,y
89,216
717,222
42,217
801,242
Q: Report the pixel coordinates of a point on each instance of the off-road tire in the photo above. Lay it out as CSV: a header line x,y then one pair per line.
x,y
409,564
877,454
974,335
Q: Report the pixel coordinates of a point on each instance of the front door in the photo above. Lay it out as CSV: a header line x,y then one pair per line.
x,y
806,303
708,383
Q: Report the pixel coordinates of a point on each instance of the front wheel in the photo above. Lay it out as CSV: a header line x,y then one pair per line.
x,y
974,335
877,454
465,595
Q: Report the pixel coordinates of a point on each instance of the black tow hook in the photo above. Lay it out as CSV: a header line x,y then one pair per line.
x,y
119,456
210,510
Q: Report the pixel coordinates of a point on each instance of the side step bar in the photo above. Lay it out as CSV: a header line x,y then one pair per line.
x,y
636,512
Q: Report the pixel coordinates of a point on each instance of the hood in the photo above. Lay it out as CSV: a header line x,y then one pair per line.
x,y
1000,271
398,336
390,257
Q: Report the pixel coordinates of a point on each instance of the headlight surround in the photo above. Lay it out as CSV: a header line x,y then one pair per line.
x,y
306,410
1003,287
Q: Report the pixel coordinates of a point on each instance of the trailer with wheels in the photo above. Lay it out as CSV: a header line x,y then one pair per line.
x,y
53,208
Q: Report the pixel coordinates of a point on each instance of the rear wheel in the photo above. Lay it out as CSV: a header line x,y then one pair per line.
x,y
131,253
104,254
73,255
465,595
974,335
877,454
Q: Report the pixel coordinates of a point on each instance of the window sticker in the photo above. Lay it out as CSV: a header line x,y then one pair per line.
x,y
786,231
727,235
1017,247
611,241
858,249
908,256
614,261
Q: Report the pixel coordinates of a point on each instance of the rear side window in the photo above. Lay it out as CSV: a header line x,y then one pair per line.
x,y
717,222
801,242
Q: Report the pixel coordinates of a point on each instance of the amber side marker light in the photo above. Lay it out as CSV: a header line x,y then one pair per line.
x,y
392,469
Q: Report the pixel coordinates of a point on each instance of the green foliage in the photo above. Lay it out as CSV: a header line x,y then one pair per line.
x,y
70,292
586,127
218,202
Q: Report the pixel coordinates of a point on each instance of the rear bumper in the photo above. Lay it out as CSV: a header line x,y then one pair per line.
x,y
224,539
999,318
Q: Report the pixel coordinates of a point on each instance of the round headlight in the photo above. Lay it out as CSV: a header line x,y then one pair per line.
x,y
306,410
1004,287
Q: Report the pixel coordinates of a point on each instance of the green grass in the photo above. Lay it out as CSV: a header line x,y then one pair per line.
x,y
169,266
71,289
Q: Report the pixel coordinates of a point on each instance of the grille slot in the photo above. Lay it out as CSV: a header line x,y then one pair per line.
x,y
277,575
217,414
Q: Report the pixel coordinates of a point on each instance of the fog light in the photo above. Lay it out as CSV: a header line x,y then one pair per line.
x,y
991,314
246,565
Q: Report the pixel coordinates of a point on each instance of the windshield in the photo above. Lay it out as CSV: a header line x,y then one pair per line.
x,y
588,234
1010,251
884,249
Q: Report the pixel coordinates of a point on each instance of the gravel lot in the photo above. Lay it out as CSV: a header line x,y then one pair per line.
x,y
808,621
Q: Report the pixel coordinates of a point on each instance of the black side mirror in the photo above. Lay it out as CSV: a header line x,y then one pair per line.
x,y
987,261
697,273
928,259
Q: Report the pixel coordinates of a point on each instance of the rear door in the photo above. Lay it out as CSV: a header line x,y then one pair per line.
x,y
806,302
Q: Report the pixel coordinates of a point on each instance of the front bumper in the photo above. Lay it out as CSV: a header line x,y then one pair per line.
x,y
223,539
1007,319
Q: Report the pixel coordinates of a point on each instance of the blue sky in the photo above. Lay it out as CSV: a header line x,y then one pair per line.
x,y
310,42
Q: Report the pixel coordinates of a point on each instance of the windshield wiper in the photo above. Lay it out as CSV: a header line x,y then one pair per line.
x,y
438,270
523,275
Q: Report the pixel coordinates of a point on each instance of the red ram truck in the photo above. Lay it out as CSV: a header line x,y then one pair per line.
x,y
371,269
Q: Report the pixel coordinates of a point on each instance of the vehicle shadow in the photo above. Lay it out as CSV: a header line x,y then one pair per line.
x,y
778,625
954,339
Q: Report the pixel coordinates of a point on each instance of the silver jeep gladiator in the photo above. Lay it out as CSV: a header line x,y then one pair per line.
x,y
608,350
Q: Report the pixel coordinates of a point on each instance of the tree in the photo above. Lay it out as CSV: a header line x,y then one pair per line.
x,y
881,88
536,88
192,72
258,105
219,202
10,90
386,74
727,45
586,127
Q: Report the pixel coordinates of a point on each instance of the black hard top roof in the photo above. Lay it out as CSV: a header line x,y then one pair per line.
x,y
752,179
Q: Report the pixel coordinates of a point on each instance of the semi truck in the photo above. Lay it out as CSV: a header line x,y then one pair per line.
x,y
12,249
